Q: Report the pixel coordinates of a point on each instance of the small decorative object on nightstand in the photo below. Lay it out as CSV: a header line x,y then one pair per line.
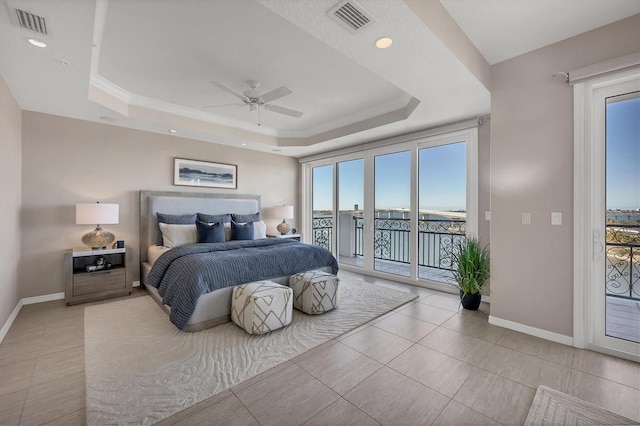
x,y
91,275
297,237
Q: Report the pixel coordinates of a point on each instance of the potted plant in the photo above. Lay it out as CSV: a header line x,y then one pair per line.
x,y
471,271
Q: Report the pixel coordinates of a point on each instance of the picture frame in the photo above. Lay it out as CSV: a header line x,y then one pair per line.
x,y
204,173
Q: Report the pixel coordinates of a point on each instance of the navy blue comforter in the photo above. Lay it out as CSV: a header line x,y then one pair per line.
x,y
184,273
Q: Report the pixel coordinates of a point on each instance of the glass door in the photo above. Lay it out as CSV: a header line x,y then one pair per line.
x,y
351,212
615,211
392,213
442,208
322,229
622,212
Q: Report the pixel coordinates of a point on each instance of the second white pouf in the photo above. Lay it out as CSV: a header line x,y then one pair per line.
x,y
261,306
315,292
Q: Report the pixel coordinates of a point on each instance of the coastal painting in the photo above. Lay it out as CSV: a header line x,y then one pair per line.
x,y
204,173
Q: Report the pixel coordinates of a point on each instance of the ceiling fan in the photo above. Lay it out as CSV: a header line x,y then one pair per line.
x,y
257,100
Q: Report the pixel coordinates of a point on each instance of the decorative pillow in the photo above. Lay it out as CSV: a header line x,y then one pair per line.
x,y
174,219
178,235
259,230
213,218
213,233
244,218
241,231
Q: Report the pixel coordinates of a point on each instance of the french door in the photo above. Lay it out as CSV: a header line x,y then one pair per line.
x,y
396,211
608,304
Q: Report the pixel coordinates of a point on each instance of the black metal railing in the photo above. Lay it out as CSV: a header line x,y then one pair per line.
x,y
322,231
622,276
391,239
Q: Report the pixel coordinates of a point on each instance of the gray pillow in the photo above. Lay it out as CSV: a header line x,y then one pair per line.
x,y
214,218
174,219
242,218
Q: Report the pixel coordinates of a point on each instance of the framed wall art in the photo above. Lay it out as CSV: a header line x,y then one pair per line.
x,y
204,173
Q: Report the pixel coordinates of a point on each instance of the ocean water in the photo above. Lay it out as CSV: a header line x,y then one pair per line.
x,y
630,218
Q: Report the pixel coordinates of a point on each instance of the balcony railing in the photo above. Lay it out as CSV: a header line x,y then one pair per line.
x,y
391,239
622,276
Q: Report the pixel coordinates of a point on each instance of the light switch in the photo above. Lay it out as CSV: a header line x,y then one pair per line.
x,y
556,218
487,215
526,218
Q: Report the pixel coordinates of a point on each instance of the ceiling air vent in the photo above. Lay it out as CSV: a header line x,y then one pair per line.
x,y
31,22
351,15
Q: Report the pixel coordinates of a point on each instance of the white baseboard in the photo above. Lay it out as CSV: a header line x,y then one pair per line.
x,y
533,331
9,322
43,298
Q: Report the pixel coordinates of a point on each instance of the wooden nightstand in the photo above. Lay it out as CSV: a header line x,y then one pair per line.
x,y
85,286
297,237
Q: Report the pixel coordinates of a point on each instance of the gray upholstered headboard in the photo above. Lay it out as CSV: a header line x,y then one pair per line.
x,y
152,202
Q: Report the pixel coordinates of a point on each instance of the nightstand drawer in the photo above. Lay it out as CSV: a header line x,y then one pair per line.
x,y
96,282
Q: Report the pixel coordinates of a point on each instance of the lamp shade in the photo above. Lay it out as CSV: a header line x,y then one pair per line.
x,y
97,214
283,212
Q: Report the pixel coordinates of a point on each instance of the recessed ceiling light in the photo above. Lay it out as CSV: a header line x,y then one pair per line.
x,y
276,150
37,43
383,43
107,118
173,131
63,62
243,144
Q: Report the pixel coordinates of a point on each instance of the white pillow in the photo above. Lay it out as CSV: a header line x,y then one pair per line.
x,y
178,235
259,230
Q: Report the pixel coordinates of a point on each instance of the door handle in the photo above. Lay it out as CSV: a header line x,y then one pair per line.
x,y
598,246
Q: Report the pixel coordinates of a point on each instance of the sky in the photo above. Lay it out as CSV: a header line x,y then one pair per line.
x,y
623,154
442,180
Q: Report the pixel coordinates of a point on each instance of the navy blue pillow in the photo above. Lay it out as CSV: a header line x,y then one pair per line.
x,y
213,218
174,219
242,231
210,233
242,218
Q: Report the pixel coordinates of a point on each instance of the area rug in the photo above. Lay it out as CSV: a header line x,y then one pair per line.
x,y
552,407
140,369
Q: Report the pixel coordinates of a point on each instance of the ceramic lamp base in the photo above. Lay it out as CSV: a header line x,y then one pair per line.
x,y
283,228
98,238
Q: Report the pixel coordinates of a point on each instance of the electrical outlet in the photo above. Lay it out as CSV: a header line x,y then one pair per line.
x,y
556,218
487,215
526,218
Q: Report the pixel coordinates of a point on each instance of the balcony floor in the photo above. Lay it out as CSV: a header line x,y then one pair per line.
x,y
402,269
623,318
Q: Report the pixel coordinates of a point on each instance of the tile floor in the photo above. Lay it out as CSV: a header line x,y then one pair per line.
x,y
421,364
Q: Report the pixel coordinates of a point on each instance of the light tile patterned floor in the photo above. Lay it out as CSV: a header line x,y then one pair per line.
x,y
421,364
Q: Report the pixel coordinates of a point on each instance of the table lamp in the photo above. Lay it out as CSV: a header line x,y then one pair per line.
x,y
284,212
98,214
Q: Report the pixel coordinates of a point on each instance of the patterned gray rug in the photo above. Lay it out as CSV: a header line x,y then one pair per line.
x,y
140,369
552,407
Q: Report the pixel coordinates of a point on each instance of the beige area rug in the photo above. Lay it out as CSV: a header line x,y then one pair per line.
x,y
140,369
552,407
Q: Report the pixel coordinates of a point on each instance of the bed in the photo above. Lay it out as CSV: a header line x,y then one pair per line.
x,y
211,308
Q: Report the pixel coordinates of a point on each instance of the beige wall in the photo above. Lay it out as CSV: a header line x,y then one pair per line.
x,y
10,200
484,181
66,161
532,171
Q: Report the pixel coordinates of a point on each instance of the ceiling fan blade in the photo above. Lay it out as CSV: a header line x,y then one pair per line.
x,y
223,105
281,110
276,94
230,90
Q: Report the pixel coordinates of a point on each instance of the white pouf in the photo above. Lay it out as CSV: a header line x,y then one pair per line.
x,y
261,306
315,292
